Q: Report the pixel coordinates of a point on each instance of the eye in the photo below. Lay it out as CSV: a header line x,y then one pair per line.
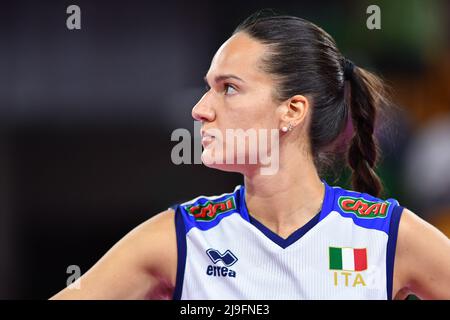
x,y
229,87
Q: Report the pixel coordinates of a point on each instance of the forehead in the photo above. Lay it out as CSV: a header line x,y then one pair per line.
x,y
239,55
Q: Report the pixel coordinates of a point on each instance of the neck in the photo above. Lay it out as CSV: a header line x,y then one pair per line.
x,y
285,201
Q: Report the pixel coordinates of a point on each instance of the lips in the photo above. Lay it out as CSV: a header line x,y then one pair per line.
x,y
207,138
206,133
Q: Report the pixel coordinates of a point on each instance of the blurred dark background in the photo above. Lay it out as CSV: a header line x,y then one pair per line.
x,y
86,117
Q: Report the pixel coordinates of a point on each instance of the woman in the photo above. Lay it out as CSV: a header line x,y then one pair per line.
x,y
287,234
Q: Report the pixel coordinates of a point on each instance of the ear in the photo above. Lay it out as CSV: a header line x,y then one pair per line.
x,y
295,110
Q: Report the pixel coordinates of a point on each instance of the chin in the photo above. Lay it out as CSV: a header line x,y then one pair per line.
x,y
207,160
227,167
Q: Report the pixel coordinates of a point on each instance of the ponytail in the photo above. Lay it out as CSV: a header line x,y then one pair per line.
x,y
364,94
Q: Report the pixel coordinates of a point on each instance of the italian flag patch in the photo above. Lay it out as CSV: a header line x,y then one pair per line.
x,y
348,259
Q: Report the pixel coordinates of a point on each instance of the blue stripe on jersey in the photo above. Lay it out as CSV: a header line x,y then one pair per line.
x,y
391,246
296,235
181,250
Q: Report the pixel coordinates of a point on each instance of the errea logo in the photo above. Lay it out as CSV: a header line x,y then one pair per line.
x,y
228,259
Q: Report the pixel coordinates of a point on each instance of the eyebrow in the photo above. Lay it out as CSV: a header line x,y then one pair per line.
x,y
224,77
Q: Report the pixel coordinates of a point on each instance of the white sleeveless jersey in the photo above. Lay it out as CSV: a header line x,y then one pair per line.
x,y
345,252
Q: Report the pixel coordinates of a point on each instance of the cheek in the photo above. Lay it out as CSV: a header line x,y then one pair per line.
x,y
251,113
252,141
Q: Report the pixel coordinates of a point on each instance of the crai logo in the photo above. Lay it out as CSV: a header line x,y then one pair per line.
x,y
211,209
363,208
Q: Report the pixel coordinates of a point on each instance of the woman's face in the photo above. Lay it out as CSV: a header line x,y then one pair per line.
x,y
240,96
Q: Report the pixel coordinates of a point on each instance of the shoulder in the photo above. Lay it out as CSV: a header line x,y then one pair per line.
x,y
161,221
154,241
422,264
417,236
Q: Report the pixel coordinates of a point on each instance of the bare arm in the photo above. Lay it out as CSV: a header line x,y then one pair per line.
x,y
141,265
422,263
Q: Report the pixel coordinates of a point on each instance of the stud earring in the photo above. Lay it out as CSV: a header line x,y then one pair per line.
x,y
288,128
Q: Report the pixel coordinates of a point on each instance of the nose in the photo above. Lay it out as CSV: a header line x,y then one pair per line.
x,y
202,111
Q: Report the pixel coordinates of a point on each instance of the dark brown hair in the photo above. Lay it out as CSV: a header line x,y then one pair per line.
x,y
304,59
